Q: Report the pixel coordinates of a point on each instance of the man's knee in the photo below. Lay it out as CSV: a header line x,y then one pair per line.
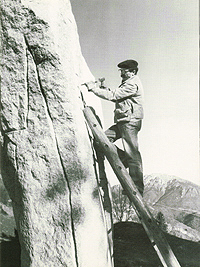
x,y
112,133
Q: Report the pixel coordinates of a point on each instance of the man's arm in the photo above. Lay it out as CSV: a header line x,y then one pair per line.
x,y
124,91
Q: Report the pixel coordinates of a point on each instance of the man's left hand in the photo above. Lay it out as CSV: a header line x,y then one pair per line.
x,y
90,85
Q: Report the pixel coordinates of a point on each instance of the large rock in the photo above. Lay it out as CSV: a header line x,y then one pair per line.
x,y
48,165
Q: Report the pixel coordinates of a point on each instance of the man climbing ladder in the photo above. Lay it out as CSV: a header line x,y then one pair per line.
x,y
128,98
154,233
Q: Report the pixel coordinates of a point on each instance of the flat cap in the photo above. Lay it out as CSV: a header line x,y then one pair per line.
x,y
128,64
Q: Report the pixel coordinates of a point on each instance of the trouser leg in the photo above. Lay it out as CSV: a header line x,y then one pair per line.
x,y
129,132
113,135
130,157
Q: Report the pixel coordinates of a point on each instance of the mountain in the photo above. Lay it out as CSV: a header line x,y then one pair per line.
x,y
171,191
174,203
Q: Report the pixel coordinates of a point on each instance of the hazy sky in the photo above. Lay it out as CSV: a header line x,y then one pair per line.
x,y
163,37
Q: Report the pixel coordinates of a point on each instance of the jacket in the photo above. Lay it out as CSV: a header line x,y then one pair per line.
x,y
128,98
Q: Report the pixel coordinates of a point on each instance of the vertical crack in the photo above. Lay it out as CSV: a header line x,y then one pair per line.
x,y
27,84
38,76
70,202
59,154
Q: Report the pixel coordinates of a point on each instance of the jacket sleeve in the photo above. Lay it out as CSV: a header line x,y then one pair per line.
x,y
124,91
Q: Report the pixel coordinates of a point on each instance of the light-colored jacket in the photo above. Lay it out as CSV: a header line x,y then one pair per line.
x,y
128,98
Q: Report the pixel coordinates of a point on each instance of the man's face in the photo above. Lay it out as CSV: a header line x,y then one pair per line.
x,y
125,74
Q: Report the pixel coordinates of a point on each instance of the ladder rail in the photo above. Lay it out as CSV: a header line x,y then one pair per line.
x,y
156,236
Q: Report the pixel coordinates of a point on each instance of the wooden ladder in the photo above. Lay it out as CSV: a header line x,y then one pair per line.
x,y
155,234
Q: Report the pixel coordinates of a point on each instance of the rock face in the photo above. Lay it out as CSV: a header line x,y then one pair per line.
x,y
47,157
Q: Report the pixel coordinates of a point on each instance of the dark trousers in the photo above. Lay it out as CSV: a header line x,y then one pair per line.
x,y
130,157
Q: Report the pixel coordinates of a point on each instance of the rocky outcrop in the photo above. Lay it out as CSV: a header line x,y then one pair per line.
x,y
47,158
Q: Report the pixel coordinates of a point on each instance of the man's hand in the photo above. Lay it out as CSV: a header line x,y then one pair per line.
x,y
90,85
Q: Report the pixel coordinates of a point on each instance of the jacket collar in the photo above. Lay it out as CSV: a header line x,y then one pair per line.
x,y
129,79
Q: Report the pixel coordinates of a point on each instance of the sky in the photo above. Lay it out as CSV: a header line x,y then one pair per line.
x,y
163,36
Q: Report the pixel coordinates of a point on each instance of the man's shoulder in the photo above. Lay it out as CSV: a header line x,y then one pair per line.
x,y
133,80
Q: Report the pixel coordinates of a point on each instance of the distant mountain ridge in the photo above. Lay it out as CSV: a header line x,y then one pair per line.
x,y
172,191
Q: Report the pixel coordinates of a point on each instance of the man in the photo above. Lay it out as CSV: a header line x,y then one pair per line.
x,y
128,115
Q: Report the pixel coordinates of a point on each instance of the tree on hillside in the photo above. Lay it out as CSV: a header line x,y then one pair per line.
x,y
122,208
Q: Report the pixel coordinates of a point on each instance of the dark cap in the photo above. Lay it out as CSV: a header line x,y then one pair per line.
x,y
128,64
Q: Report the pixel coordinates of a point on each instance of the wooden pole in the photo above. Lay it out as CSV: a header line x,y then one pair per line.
x,y
154,233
